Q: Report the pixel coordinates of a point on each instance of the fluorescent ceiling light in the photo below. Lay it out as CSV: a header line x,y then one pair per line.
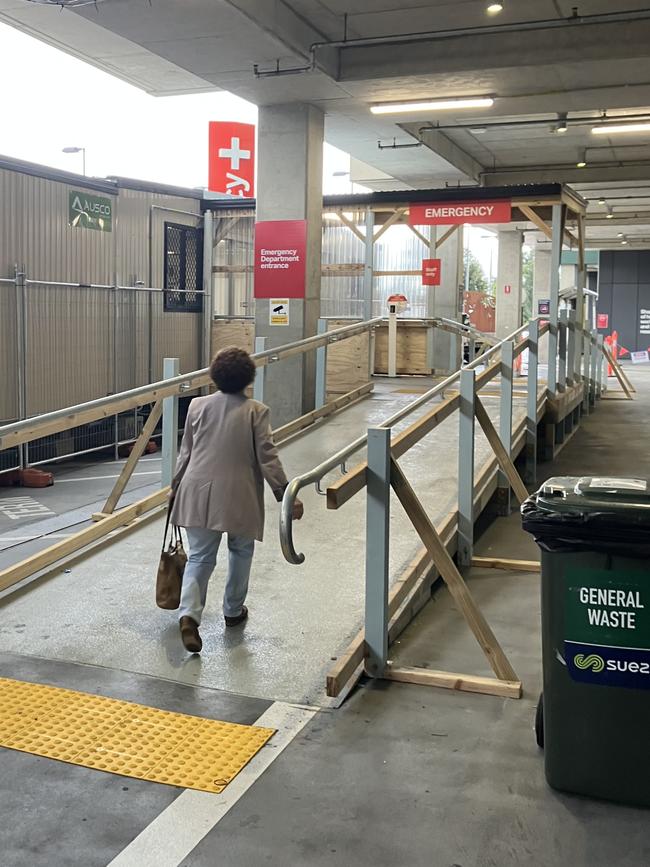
x,y
432,105
582,160
613,129
494,8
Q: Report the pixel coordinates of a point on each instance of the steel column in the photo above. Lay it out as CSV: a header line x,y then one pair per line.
x,y
466,429
321,367
208,249
377,550
556,256
593,373
600,366
171,368
562,349
21,367
392,341
260,372
505,423
530,468
571,349
369,265
586,362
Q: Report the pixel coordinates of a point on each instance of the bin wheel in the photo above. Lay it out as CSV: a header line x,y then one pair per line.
x,y
539,723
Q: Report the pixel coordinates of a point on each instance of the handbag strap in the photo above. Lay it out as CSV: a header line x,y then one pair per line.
x,y
169,514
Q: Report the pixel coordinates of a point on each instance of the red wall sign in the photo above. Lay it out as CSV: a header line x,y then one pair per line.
x,y
431,272
602,320
280,247
231,167
456,213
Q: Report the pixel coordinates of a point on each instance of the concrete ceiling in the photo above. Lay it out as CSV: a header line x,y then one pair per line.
x,y
537,59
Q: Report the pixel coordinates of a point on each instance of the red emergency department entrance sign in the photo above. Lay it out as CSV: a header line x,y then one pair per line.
x,y
457,213
431,272
231,168
280,247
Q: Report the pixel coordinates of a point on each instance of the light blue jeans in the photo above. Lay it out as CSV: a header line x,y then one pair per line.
x,y
204,545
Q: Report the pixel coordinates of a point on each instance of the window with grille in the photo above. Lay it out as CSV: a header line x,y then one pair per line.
x,y
183,269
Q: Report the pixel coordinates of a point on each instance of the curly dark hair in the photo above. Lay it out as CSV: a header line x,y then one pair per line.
x,y
232,370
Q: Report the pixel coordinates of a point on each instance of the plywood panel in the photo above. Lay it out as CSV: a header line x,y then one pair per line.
x,y
411,350
232,332
347,361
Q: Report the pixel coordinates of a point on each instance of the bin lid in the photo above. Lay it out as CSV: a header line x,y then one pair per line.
x,y
592,512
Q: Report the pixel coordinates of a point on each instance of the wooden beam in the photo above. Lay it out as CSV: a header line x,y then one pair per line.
x,y
350,664
535,218
451,576
506,565
351,226
446,236
298,424
389,222
13,574
133,458
418,234
414,272
338,269
502,456
355,480
617,371
461,682
232,269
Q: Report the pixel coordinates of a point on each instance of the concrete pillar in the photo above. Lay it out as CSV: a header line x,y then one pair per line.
x,y
508,313
541,291
447,299
290,187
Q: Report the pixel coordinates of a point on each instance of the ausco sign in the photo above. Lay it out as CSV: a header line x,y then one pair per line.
x,y
90,212
456,213
607,624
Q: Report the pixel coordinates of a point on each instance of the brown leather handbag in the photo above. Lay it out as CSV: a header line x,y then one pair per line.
x,y
173,558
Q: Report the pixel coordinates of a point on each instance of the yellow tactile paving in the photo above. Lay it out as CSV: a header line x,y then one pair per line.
x,y
125,738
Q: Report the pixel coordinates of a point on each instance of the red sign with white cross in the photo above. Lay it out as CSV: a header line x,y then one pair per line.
x,y
231,168
431,272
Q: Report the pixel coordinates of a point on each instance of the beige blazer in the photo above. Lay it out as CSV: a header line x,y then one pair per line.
x,y
226,453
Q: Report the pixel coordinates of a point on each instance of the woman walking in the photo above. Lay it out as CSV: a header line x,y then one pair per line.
x,y
218,487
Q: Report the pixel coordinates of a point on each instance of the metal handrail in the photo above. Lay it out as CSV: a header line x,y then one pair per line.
x,y
315,475
82,413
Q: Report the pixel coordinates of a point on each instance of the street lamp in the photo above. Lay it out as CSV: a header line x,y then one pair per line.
x,y
82,151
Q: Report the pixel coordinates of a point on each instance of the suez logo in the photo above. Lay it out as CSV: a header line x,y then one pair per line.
x,y
595,663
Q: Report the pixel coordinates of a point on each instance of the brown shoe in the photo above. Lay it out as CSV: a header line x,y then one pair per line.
x,y
190,635
235,621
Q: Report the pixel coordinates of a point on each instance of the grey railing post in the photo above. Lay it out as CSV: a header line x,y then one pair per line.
x,y
260,373
453,353
586,363
171,368
571,351
505,423
562,350
21,347
466,426
593,371
368,268
377,550
530,451
600,365
556,255
321,368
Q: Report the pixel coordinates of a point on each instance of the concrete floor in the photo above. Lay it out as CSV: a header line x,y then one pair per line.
x,y
102,612
400,774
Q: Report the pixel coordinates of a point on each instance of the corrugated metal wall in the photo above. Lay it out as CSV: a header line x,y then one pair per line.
x,y
86,343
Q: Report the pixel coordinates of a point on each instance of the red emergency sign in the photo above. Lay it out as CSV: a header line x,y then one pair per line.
x,y
231,169
431,272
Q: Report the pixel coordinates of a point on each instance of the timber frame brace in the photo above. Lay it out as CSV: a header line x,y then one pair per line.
x,y
383,474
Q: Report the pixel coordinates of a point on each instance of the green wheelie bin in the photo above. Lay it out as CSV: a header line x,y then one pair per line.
x,y
593,719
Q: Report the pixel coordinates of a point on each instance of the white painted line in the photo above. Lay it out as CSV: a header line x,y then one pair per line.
x,y
95,478
45,536
179,829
